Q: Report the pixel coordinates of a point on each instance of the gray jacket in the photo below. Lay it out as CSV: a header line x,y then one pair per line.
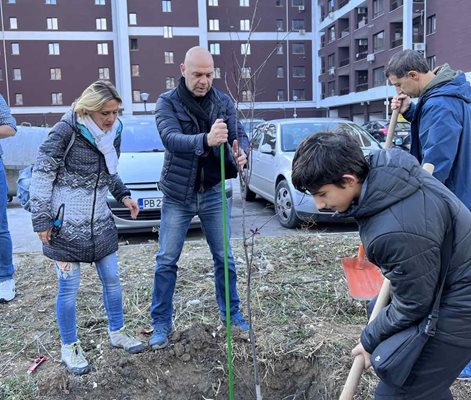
x,y
81,182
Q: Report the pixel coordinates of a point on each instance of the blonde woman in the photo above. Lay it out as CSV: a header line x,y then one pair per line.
x,y
75,168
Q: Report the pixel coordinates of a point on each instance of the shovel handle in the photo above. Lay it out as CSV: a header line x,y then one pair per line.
x,y
391,129
358,366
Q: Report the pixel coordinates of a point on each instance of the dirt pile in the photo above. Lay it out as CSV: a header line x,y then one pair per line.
x,y
304,320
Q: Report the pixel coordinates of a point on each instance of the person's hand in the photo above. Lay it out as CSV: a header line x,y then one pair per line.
x,y
45,236
360,350
132,206
218,134
401,102
239,154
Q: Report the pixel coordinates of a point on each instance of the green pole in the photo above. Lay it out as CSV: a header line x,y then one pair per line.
x,y
226,274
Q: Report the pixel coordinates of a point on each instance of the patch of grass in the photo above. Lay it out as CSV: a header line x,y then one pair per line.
x,y
17,388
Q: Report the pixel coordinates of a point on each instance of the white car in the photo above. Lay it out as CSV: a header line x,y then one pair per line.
x,y
268,175
140,165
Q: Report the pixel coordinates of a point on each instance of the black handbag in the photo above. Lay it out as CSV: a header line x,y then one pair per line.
x,y
394,358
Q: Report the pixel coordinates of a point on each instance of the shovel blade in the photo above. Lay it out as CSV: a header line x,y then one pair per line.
x,y
364,278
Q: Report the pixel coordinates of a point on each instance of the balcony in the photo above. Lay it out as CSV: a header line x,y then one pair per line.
x,y
396,43
344,91
344,61
361,55
361,87
396,4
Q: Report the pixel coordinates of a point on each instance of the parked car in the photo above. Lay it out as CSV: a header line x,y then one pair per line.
x,y
140,164
250,124
379,130
269,168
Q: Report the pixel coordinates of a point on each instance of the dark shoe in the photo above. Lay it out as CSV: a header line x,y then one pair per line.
x,y
159,338
238,321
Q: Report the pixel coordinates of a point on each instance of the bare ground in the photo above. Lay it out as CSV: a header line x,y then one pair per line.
x,y
304,320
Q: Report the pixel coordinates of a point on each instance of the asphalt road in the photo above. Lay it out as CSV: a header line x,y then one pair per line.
x,y
259,216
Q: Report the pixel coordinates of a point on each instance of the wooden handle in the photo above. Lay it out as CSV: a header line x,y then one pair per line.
x,y
391,129
356,370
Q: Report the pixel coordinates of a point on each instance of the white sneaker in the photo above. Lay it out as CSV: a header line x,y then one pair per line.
x,y
123,340
74,359
7,290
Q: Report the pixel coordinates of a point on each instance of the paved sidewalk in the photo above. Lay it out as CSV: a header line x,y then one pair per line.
x,y
22,235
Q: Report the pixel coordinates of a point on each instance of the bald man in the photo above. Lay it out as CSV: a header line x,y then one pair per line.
x,y
194,119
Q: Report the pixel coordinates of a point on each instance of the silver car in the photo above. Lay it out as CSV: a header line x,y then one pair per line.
x,y
140,164
269,168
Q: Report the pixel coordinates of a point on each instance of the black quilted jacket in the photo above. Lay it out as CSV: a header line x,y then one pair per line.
x,y
403,214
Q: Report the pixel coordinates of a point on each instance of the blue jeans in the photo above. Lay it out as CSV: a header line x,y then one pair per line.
x,y
69,282
6,258
174,226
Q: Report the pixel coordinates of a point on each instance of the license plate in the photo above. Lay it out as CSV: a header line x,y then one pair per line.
x,y
402,133
145,204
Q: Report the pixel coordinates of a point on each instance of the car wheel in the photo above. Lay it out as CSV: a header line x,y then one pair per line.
x,y
10,199
247,194
284,206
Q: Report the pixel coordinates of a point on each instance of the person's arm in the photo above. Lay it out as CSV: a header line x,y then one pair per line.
x,y
171,133
7,122
412,264
440,130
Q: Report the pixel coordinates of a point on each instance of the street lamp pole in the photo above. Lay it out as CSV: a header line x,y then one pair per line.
x,y
294,113
144,98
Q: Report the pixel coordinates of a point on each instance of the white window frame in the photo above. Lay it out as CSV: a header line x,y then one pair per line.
x,y
102,49
166,6
54,49
168,32
246,72
245,24
169,82
17,74
244,3
51,2
100,2
135,70
55,74
52,24
213,3
13,23
215,49
136,96
57,99
101,24
18,99
15,48
213,24
169,57
132,19
103,73
217,73
245,49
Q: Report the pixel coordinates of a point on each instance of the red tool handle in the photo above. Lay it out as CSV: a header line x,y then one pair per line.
x,y
36,363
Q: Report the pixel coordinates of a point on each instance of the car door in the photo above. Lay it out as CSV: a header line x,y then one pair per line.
x,y
263,162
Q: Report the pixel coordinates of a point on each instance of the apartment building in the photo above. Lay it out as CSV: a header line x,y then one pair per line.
x,y
277,57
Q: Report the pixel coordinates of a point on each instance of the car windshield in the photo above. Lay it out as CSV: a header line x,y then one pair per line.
x,y
402,126
250,124
140,136
292,134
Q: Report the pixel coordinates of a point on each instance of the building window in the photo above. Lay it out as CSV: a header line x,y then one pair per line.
x,y
52,24
11,2
13,23
166,6
133,44
379,79
378,41
135,70
299,93
331,33
54,49
213,24
136,96
246,72
279,3
102,49
16,74
217,73
245,49
378,8
297,3
213,3
169,82
104,73
280,72
431,24
432,62
215,49
56,74
298,25
279,25
56,99
298,48
280,95
100,2
18,99
168,32
15,48
52,2
245,24
244,3
279,48
132,19
169,57
101,24
299,72
247,95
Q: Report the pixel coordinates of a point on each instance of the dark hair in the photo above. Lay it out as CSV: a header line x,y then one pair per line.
x,y
404,61
323,158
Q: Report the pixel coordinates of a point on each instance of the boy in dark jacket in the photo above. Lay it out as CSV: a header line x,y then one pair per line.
x,y
403,215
